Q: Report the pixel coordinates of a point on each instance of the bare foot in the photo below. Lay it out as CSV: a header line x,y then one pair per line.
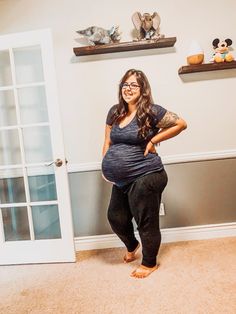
x,y
130,256
143,271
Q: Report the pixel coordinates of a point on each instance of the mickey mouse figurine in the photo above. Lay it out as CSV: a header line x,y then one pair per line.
x,y
222,53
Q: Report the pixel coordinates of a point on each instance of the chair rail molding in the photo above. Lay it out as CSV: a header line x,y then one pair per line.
x,y
167,160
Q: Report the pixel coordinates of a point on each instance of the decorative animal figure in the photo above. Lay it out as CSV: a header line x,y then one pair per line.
x,y
147,25
100,36
221,49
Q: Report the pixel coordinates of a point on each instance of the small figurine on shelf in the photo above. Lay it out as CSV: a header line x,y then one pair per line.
x,y
195,53
221,51
99,36
147,26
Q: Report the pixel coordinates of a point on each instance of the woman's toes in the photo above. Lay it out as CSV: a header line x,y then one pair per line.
x,y
143,271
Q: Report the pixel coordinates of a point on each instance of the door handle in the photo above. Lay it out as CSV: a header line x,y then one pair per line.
x,y
58,163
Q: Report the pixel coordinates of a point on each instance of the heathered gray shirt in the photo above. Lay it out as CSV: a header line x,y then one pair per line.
x,y
124,161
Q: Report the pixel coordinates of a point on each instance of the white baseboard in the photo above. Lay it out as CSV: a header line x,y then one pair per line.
x,y
168,235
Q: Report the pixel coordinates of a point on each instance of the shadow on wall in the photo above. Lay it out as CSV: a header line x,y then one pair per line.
x,y
90,196
198,193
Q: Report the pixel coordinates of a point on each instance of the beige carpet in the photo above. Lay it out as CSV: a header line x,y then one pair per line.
x,y
194,277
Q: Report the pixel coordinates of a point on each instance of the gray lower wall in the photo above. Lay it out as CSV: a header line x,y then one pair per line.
x,y
198,193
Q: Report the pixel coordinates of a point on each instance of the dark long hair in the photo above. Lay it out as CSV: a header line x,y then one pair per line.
x,y
144,113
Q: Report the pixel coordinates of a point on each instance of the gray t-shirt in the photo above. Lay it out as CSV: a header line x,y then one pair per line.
x,y
124,161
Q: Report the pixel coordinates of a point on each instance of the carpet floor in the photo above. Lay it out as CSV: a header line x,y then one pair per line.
x,y
194,277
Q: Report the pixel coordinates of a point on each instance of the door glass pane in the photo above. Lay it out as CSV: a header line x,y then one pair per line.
x,y
28,64
15,223
12,189
33,106
42,185
46,222
37,144
7,108
9,147
5,69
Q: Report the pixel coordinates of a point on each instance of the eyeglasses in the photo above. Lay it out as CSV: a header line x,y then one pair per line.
x,y
132,86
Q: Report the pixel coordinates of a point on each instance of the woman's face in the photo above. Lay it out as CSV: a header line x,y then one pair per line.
x,y
130,90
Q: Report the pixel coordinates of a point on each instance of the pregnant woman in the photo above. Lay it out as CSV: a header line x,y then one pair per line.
x,y
131,164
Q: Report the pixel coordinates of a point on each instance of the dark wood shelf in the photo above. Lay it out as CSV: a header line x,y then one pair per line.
x,y
207,67
125,46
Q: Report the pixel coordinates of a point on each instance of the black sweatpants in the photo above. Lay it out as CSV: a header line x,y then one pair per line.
x,y
140,200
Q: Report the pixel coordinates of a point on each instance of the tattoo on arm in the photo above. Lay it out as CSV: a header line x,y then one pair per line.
x,y
168,120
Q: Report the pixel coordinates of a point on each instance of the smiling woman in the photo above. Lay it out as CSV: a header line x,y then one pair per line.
x,y
130,90
131,164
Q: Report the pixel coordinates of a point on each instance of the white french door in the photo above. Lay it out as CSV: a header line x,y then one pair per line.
x,y
35,213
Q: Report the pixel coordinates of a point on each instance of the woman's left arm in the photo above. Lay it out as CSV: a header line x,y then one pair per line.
x,y
170,125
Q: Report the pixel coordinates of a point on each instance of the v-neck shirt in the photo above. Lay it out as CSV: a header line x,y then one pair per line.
x,y
124,161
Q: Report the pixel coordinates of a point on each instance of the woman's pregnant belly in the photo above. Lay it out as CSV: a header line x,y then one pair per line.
x,y
123,163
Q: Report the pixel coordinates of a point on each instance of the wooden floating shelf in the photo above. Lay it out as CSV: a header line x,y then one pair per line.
x,y
125,46
207,67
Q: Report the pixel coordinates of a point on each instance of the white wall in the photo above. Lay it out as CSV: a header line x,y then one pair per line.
x,y
87,86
